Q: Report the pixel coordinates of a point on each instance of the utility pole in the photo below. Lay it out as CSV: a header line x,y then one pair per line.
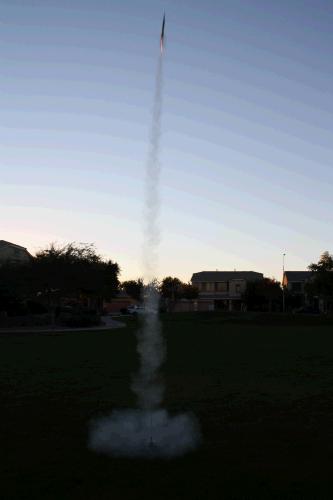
x,y
283,296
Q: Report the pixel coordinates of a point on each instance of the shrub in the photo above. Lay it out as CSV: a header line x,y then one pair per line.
x,y
82,320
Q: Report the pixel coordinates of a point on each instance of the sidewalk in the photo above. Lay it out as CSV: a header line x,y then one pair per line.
x,y
109,324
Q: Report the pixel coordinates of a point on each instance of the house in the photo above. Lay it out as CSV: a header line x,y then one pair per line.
x,y
119,303
294,281
222,289
14,254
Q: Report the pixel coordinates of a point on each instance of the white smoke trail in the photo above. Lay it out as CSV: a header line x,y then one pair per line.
x,y
153,169
149,432
148,389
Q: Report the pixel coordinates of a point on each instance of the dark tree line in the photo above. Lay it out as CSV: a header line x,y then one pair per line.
x,y
76,272
133,288
321,284
170,288
73,271
174,289
263,295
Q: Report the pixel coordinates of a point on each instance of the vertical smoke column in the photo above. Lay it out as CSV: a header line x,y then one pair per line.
x,y
153,168
126,432
150,342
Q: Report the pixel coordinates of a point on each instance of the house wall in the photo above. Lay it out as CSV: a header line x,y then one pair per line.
x,y
116,305
184,306
296,286
205,305
237,287
13,254
221,287
193,305
220,290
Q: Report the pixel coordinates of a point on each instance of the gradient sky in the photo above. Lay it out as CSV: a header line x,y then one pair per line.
x,y
247,129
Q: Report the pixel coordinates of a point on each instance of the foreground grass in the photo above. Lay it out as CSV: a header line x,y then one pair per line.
x,y
263,395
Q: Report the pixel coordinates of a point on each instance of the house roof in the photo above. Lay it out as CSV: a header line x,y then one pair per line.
x,y
297,275
8,243
217,276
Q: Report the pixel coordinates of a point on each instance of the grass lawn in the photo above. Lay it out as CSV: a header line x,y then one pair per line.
x,y
262,390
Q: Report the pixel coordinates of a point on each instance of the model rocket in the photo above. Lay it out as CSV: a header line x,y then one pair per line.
x,y
162,35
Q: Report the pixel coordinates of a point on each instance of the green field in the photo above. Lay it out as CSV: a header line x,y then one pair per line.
x,y
263,395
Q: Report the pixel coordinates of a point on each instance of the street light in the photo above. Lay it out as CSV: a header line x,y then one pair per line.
x,y
283,297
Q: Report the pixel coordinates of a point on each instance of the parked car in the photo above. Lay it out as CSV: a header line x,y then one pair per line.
x,y
135,310
306,310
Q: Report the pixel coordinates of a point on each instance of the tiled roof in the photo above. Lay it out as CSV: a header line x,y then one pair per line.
x,y
216,276
298,275
8,243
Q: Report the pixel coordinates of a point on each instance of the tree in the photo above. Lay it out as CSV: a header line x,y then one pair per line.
x,y
133,288
10,304
189,291
324,264
171,288
76,269
321,283
72,271
263,295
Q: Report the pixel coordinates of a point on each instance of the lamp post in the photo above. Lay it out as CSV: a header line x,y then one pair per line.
x,y
283,296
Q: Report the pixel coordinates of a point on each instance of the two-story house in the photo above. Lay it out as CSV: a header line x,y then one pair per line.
x,y
294,281
15,254
222,289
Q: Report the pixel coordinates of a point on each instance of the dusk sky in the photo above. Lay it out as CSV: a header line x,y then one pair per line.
x,y
246,147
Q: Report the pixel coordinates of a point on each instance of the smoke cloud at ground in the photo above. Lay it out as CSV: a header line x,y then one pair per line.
x,y
126,434
148,432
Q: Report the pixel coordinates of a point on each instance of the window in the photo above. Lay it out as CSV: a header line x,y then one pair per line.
x,y
210,287
296,287
221,287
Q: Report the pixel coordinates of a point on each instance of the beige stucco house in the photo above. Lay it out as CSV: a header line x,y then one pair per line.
x,y
222,289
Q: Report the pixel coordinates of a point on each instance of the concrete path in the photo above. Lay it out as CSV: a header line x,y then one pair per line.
x,y
109,324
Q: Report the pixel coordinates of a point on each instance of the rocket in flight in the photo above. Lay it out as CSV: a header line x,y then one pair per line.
x,y
162,35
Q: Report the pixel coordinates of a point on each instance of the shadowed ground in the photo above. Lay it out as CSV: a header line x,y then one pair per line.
x,y
263,395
